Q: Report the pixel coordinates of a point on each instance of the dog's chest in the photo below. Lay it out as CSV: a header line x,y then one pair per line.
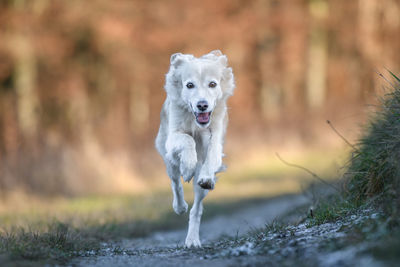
x,y
202,139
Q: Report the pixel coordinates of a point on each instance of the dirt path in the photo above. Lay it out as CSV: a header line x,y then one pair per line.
x,y
165,248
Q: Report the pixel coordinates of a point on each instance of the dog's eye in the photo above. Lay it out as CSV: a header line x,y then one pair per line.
x,y
190,85
212,84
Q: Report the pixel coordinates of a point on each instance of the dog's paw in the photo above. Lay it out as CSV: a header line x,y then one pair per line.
x,y
180,208
192,242
188,164
206,182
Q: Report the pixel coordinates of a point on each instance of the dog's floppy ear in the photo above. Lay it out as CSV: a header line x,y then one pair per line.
x,y
216,53
223,60
227,82
217,56
173,83
213,55
176,59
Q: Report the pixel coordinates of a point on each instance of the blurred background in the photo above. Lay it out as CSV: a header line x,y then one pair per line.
x,y
81,86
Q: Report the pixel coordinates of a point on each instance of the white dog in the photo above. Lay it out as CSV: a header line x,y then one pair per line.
x,y
193,124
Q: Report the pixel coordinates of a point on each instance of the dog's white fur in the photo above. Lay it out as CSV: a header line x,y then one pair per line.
x,y
191,148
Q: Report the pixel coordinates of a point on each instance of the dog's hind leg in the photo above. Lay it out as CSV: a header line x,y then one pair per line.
x,y
193,238
178,204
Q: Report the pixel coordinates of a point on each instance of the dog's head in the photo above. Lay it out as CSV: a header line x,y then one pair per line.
x,y
199,84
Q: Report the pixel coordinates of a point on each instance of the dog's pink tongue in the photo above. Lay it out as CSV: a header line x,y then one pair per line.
x,y
203,117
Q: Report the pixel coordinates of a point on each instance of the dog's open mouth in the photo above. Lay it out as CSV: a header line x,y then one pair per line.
x,y
203,117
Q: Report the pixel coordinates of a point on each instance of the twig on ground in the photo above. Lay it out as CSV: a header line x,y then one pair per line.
x,y
341,136
307,170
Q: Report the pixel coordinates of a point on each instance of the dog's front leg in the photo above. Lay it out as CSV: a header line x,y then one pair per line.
x,y
213,160
193,238
181,151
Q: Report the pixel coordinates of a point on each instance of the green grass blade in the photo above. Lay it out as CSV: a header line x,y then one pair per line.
x,y
394,76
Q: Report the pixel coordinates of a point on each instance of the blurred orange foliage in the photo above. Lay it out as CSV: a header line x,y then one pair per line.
x,y
81,81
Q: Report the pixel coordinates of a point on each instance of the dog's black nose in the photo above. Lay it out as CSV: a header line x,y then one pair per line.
x,y
202,105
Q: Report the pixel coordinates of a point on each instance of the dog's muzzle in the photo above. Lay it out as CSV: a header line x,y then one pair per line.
x,y
203,117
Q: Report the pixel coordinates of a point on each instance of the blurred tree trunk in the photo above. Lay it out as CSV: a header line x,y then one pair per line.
x,y
369,42
368,25
317,54
270,91
139,102
379,25
293,39
25,81
139,109
25,75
